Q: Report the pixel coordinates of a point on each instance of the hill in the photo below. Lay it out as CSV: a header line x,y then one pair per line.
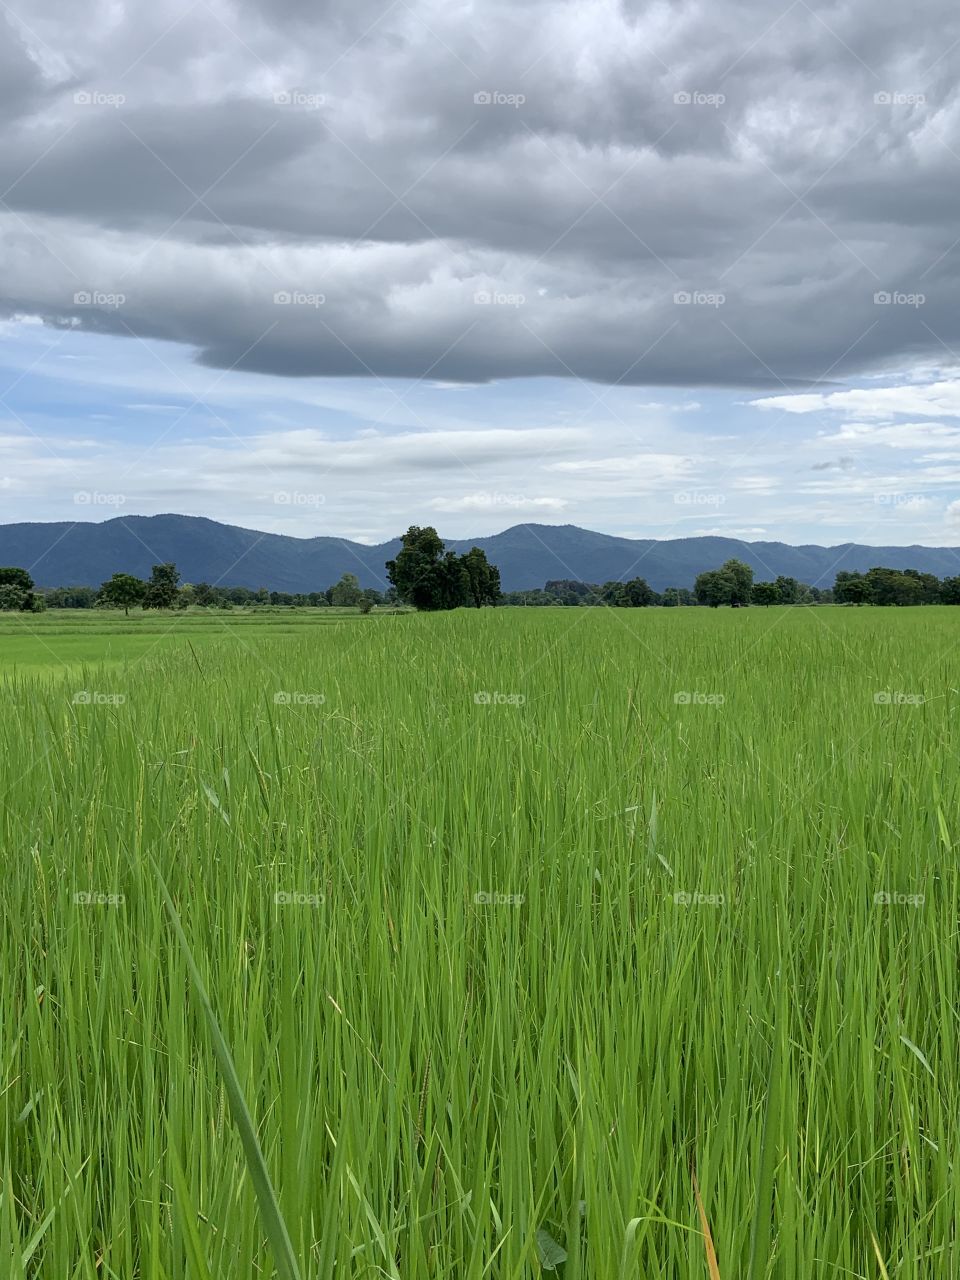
x,y
75,554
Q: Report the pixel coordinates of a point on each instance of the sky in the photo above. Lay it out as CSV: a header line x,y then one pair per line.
x,y
341,266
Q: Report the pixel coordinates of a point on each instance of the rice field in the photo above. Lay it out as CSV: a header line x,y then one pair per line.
x,y
589,943
63,641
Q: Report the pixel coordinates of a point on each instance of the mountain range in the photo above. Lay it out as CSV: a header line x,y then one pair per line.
x,y
528,555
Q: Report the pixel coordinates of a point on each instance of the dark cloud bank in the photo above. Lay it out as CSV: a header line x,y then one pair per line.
x,y
728,193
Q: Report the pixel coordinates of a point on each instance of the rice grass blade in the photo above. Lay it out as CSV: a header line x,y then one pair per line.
x,y
199,1267
761,1231
919,1055
273,1222
880,1262
10,1253
713,1267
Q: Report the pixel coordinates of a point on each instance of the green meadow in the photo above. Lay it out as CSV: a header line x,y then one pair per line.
x,y
600,943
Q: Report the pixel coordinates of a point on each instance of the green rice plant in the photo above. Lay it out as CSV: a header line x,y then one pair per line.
x,y
500,943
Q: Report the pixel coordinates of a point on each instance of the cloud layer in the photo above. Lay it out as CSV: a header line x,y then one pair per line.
x,y
726,194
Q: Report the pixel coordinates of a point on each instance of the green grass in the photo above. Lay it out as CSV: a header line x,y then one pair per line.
x,y
465,1018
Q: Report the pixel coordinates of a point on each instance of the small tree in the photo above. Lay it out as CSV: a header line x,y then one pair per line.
x,y
347,593
712,588
673,597
850,588
71,598
891,586
740,576
21,582
451,583
121,591
639,594
789,590
161,592
12,599
614,594
731,584
482,576
766,593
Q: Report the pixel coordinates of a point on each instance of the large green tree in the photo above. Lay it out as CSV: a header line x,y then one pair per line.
x,y
429,577
414,571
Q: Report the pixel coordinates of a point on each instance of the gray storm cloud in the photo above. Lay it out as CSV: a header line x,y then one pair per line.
x,y
729,194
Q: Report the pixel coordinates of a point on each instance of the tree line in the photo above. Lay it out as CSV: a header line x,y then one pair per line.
x,y
164,590
426,576
732,584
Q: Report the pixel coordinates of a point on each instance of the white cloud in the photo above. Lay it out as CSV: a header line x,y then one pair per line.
x,y
649,469
900,435
937,399
492,502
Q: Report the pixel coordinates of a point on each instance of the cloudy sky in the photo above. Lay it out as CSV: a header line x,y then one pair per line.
x,y
338,266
